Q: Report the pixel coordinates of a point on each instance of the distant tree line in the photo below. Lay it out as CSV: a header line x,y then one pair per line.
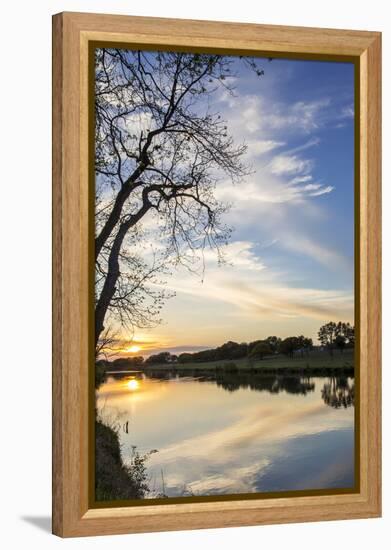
x,y
332,336
161,358
256,350
122,362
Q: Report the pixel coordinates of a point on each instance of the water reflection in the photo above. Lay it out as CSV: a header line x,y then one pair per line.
x,y
271,383
232,433
133,384
338,392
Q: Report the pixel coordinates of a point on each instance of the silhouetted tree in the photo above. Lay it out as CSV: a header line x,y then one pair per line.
x,y
336,335
162,358
159,149
308,345
274,343
185,358
345,336
261,350
350,334
107,344
289,345
252,345
127,362
231,350
305,344
327,335
340,342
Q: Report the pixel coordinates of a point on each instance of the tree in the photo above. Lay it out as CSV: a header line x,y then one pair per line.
x,y
231,350
159,151
261,350
289,345
327,335
345,335
336,335
107,345
128,362
350,335
185,358
274,343
301,340
161,358
305,344
252,345
340,342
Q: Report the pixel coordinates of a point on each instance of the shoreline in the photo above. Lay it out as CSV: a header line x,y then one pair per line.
x,y
341,363
202,371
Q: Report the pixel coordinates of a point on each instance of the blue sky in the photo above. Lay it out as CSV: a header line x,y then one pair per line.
x,y
308,107
290,262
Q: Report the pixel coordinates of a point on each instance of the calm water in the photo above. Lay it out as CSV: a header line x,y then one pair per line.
x,y
236,433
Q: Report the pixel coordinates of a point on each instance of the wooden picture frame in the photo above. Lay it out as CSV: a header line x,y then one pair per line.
x,y
72,33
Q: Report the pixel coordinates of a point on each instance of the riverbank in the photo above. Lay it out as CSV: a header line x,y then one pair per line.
x,y
313,363
113,479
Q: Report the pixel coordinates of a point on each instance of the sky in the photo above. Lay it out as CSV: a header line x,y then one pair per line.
x,y
290,261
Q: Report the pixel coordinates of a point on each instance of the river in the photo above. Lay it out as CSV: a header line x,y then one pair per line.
x,y
234,433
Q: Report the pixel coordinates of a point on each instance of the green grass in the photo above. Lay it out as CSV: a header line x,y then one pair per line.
x,y
316,360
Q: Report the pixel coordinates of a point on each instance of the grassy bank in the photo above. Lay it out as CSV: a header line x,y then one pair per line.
x,y
314,362
114,479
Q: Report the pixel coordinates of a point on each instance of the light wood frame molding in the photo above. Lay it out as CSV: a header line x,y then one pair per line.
x,y
72,33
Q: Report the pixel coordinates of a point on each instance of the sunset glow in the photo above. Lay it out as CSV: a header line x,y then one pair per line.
x,y
225,244
133,384
133,349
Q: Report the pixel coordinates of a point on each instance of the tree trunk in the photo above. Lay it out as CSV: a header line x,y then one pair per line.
x,y
108,289
129,186
113,271
115,214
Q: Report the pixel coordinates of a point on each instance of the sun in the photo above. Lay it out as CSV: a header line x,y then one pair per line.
x,y
133,384
133,349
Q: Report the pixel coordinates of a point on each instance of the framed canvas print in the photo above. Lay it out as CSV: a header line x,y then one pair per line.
x,y
216,274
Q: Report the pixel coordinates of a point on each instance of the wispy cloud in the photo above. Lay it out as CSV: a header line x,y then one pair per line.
x,y
300,179
261,146
347,112
273,301
260,292
269,190
313,142
289,164
326,256
267,127
258,113
281,215
322,191
238,254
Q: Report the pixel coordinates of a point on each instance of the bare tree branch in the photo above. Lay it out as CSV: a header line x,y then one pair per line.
x,y
159,151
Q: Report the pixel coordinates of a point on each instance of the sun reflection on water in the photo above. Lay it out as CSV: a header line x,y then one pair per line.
x,y
133,384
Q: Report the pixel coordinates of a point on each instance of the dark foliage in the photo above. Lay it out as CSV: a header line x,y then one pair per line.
x,y
115,480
